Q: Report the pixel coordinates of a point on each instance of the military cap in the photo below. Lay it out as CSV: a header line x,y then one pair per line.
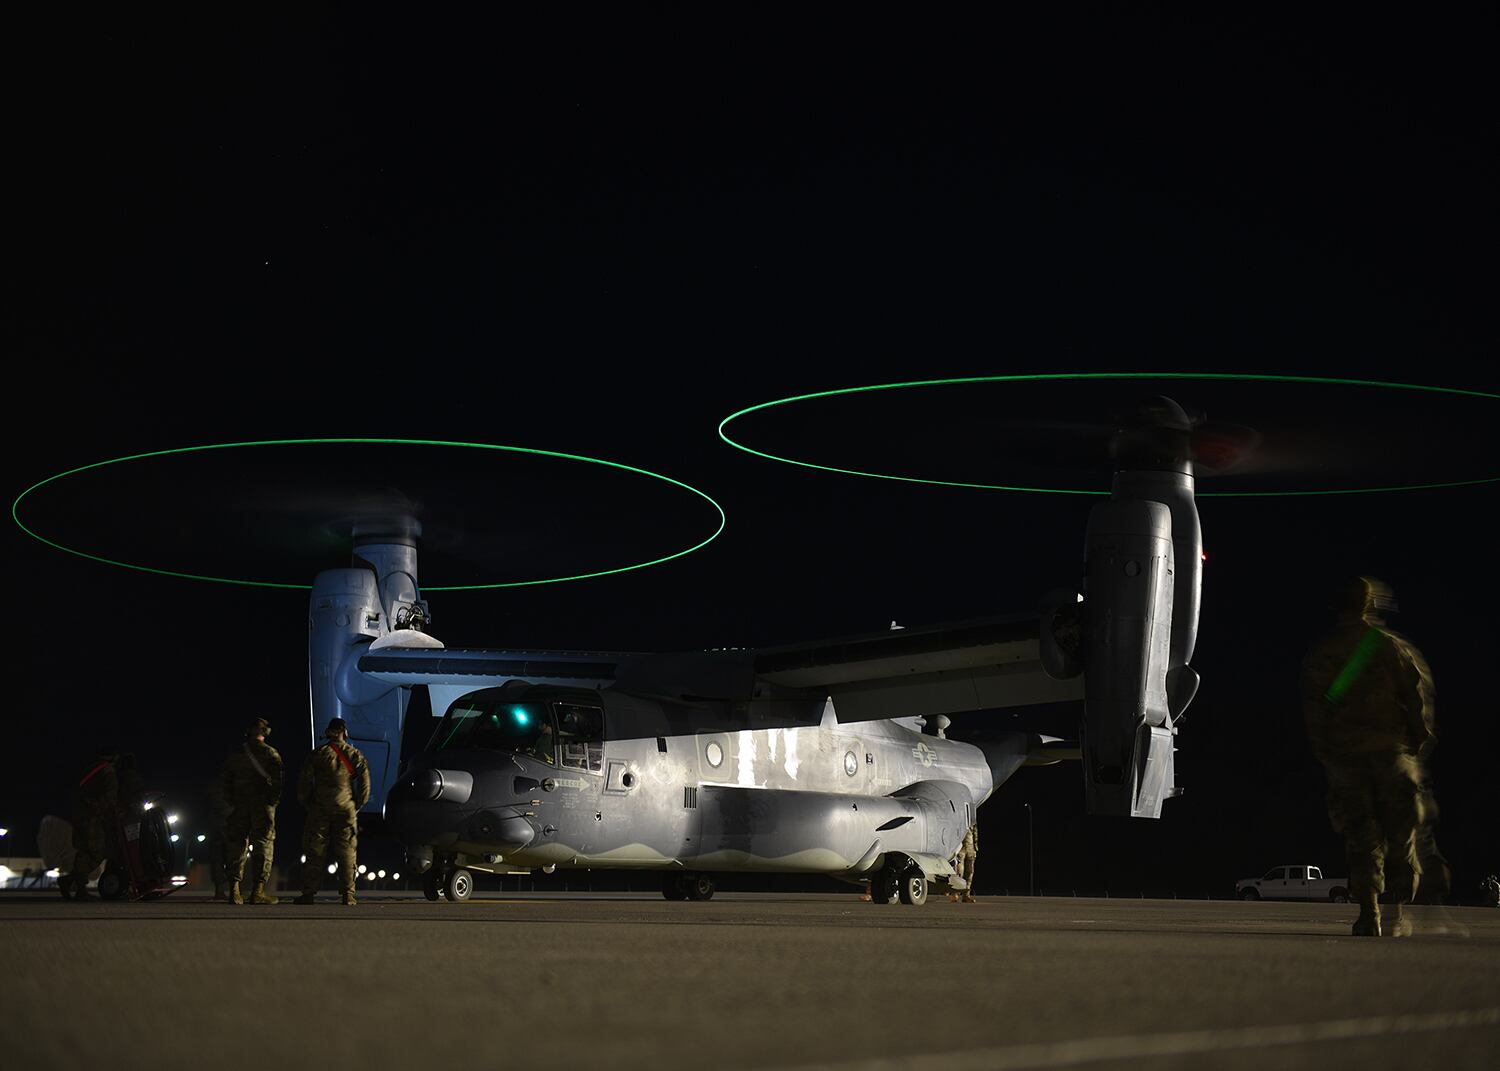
x,y
336,727
259,727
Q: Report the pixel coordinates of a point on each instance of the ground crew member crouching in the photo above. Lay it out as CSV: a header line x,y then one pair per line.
x,y
252,781
334,785
96,803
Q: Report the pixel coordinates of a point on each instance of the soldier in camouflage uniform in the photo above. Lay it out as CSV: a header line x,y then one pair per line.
x,y
334,785
968,855
252,780
1367,699
96,804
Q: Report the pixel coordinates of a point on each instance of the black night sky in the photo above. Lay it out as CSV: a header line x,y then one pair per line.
x,y
603,233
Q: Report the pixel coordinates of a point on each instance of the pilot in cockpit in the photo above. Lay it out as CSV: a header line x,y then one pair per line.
x,y
542,747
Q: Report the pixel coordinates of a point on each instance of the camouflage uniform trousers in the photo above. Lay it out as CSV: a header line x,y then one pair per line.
x,y
966,861
1376,802
255,826
335,828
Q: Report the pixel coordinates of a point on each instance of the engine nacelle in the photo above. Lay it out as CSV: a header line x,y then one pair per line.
x,y
1140,613
349,610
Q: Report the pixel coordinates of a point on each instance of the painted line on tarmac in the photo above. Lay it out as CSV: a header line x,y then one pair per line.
x,y
1146,1046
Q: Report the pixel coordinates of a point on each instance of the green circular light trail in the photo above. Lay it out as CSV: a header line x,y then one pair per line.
x,y
1053,376
15,507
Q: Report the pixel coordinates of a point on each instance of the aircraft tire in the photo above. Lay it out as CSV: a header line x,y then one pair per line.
x,y
459,886
431,887
914,888
885,886
672,886
112,884
699,887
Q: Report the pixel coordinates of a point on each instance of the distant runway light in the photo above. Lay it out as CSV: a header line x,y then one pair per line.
x,y
175,838
171,819
362,868
201,838
381,873
395,877
333,868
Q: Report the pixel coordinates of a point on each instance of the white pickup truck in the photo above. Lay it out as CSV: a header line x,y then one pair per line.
x,y
1293,883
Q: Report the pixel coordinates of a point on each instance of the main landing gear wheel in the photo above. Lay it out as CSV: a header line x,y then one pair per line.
x,y
913,888
112,884
672,887
459,885
432,885
885,886
698,887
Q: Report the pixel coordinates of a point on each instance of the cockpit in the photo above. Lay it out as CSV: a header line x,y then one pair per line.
x,y
559,733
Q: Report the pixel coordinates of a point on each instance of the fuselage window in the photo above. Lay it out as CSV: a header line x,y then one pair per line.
x,y
580,735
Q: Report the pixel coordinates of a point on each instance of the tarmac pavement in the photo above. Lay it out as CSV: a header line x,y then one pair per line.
x,y
744,981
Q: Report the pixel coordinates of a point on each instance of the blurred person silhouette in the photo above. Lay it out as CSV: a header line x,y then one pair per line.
x,y
1367,701
252,782
1489,891
131,789
96,802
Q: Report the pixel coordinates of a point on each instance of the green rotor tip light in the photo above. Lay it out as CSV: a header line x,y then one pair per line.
x,y
1079,376
16,516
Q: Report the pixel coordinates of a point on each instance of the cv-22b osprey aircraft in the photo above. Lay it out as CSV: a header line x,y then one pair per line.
x,y
806,759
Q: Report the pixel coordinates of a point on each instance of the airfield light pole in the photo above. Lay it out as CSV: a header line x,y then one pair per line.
x,y
1030,850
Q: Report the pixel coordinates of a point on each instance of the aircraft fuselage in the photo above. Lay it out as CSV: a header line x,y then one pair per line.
x,y
821,798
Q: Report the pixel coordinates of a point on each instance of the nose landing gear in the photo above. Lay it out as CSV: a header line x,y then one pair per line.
x,y
447,882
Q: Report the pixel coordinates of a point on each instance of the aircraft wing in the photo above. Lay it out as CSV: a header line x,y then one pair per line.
x,y
943,669
475,667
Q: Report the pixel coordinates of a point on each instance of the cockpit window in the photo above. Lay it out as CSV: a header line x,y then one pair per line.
x,y
580,736
524,728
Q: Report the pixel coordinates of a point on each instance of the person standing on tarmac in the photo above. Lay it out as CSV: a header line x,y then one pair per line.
x,y
1367,700
252,781
968,854
334,785
96,803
